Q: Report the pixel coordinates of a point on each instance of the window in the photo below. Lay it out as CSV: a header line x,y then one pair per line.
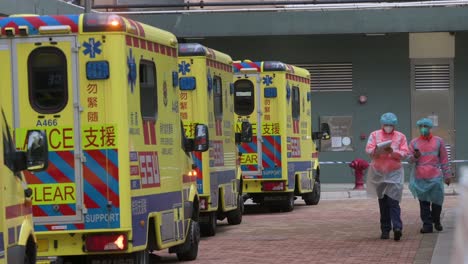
x,y
244,97
148,90
48,85
296,103
218,98
330,77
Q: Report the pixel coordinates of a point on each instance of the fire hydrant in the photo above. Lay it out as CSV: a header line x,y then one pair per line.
x,y
359,166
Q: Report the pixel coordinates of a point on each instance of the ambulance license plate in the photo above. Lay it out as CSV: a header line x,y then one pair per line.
x,y
42,245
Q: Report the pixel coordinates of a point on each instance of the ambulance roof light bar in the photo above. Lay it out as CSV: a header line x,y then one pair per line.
x,y
59,29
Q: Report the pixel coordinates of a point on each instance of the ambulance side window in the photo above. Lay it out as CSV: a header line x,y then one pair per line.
x,y
218,98
148,90
296,103
244,97
48,85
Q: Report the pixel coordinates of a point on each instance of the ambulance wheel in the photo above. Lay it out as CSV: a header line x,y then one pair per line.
x,y
209,229
141,257
234,217
313,198
192,240
31,252
288,205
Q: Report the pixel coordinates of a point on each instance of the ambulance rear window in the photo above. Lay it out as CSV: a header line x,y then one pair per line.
x,y
148,91
243,97
48,86
296,103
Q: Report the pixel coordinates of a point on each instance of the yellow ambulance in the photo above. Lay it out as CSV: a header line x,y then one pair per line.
x,y
120,182
17,239
206,97
282,160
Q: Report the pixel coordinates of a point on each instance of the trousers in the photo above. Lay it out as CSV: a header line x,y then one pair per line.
x,y
390,214
430,214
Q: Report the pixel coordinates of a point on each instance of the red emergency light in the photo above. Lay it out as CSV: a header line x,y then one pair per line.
x,y
274,186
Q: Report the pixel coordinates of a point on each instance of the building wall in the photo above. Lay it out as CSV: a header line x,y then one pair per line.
x,y
461,96
381,71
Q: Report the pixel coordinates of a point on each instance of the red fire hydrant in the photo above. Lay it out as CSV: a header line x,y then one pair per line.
x,y
359,166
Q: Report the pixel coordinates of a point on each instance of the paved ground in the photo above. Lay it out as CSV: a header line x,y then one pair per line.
x,y
334,231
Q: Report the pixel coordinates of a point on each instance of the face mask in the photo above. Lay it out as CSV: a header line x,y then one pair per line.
x,y
388,129
424,131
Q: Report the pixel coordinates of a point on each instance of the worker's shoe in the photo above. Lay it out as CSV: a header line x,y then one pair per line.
x,y
397,234
385,235
425,230
438,227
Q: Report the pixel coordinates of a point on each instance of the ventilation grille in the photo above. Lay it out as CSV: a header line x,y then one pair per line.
x,y
448,147
432,77
330,76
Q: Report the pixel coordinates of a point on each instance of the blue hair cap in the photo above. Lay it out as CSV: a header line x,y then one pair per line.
x,y
425,122
389,119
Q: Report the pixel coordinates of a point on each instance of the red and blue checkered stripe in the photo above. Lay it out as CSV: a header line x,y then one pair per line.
x,y
197,160
100,185
34,22
271,150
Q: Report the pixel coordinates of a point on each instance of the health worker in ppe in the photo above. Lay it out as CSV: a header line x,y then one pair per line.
x,y
387,148
431,169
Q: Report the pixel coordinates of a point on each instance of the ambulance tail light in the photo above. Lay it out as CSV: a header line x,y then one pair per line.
x,y
106,242
203,203
9,31
315,155
274,186
23,30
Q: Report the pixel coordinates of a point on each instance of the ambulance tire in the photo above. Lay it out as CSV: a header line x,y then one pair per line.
x,y
141,257
313,198
31,252
288,205
209,229
192,241
234,217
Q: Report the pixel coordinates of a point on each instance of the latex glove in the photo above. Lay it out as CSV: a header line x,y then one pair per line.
x,y
448,181
388,150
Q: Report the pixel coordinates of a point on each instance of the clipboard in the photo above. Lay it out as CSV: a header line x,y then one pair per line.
x,y
384,144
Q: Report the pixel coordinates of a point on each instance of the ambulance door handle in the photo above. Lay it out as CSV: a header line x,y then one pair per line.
x,y
81,157
77,106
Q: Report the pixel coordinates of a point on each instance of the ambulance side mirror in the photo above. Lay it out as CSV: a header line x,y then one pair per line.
x,y
201,140
245,136
37,152
323,134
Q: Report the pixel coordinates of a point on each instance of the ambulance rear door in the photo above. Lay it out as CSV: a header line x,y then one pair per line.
x,y
247,107
45,92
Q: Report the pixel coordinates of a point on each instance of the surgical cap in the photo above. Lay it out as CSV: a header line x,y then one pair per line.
x,y
424,122
389,119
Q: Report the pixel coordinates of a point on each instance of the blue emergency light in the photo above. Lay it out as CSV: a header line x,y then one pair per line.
x,y
270,92
97,70
187,83
175,78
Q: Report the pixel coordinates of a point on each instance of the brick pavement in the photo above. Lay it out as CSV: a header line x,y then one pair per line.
x,y
334,231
